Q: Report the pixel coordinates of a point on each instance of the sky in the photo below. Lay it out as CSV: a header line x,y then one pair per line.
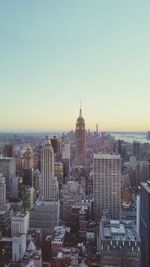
x,y
56,53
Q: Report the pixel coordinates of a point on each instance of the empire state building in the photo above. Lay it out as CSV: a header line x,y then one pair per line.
x,y
80,140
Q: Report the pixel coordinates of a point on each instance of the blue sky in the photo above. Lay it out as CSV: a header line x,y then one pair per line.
x,y
54,53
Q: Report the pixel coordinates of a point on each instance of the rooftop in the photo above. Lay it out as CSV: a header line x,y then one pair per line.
x,y
119,231
59,233
106,156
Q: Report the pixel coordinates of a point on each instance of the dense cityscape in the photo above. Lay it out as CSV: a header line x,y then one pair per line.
x,y
78,198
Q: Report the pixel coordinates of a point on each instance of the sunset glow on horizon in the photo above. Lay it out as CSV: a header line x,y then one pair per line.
x,y
55,53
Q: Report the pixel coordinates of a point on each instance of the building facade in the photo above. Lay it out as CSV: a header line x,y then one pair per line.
x,y
145,223
50,184
119,244
107,185
20,223
2,190
28,167
80,134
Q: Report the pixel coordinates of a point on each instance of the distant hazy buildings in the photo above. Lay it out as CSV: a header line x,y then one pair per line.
x,y
8,150
145,223
107,185
80,140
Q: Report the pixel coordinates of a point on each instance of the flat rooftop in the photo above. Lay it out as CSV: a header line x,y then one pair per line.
x,y
105,156
59,233
118,231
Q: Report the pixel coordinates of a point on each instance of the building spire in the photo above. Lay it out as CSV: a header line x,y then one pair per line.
x,y
80,113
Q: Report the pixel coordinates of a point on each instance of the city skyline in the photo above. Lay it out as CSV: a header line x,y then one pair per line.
x,y
55,53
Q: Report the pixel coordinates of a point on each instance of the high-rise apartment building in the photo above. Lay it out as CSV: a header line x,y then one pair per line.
x,y
107,185
50,184
145,223
80,140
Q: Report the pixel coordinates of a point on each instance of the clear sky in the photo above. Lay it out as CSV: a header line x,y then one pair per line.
x,y
54,53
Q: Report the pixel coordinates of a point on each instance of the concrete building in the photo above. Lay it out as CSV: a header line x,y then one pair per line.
x,y
71,194
57,240
145,223
8,169
8,150
107,185
59,172
28,165
119,244
67,257
2,190
27,197
32,256
14,188
66,158
45,215
80,141
50,184
18,247
20,223
66,149
5,246
5,221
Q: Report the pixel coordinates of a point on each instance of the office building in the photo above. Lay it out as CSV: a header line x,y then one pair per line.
x,y
145,223
27,197
118,244
45,215
5,246
18,247
20,223
2,190
80,141
50,184
107,185
8,169
28,167
5,221
58,239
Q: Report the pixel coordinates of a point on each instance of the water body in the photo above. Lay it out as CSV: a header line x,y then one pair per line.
x,y
131,136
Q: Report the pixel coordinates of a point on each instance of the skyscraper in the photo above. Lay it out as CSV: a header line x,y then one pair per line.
x,y
45,213
28,167
80,140
50,184
107,185
2,190
145,223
